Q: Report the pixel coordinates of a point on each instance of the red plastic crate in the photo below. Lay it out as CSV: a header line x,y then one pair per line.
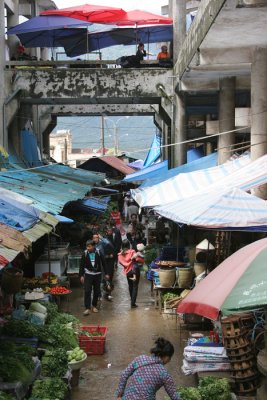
x,y
93,345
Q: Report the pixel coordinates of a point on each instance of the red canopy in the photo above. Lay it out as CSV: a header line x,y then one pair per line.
x,y
138,17
90,13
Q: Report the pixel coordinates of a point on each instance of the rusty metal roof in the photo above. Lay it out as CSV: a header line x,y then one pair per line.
x,y
118,164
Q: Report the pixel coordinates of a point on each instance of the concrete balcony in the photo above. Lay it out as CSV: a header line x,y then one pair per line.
x,y
53,83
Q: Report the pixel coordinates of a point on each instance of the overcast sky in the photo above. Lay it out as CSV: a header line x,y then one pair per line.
x,y
153,6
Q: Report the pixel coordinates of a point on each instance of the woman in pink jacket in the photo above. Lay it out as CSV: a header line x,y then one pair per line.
x,y
126,260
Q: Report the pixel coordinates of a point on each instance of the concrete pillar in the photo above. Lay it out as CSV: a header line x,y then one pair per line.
x,y
12,20
179,26
179,131
164,133
259,110
44,53
2,79
36,126
226,117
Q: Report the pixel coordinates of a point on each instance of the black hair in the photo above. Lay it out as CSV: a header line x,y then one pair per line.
x,y
125,245
163,348
141,44
90,243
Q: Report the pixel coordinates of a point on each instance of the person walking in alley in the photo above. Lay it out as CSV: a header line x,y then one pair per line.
x,y
145,375
91,267
126,260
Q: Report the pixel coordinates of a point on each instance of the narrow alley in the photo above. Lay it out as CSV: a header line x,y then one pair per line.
x,y
131,332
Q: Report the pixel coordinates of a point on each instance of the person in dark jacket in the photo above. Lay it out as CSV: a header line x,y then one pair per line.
x,y
91,268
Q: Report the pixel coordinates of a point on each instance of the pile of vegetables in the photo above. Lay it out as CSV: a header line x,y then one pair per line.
x,y
16,363
76,355
209,388
54,363
49,389
56,333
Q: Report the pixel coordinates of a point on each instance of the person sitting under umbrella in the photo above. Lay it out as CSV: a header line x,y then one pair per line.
x,y
164,53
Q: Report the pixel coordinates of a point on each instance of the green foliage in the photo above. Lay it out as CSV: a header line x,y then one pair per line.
x,y
214,388
49,389
151,253
209,388
23,329
189,393
6,396
16,362
55,363
59,336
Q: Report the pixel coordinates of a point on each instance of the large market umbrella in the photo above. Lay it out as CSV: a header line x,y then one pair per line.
x,y
47,31
238,284
138,18
77,45
90,13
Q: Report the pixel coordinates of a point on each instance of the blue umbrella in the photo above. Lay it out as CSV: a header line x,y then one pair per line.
x,y
47,31
76,46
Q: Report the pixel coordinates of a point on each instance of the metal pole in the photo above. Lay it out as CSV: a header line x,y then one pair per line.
x,y
49,258
116,140
102,136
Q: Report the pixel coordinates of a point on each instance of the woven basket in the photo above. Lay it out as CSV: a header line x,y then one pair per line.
x,y
185,276
167,277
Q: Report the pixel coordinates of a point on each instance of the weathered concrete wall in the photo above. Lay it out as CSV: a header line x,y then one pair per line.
x,y
98,109
87,85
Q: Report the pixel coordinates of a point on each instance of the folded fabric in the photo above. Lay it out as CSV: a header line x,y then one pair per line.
x,y
205,349
189,368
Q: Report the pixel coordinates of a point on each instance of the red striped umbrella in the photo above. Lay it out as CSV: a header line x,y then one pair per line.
x,y
239,283
90,13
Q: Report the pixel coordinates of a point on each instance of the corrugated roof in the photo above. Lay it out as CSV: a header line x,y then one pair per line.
x,y
76,175
47,193
9,254
37,231
13,239
118,164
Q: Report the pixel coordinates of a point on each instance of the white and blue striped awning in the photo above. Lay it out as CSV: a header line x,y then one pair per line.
x,y
218,209
185,185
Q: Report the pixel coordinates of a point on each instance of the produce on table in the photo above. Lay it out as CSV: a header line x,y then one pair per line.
x,y
189,393
59,290
23,329
49,389
209,388
57,335
214,388
76,355
54,363
16,363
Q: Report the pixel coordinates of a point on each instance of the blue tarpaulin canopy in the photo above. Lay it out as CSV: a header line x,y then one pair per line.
x,y
154,152
148,172
20,218
199,164
93,205
46,31
30,148
116,36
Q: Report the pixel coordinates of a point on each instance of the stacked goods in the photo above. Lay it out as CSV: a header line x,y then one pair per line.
x,y
171,300
241,357
49,389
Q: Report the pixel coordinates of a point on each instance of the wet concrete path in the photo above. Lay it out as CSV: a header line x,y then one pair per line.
x,y
131,332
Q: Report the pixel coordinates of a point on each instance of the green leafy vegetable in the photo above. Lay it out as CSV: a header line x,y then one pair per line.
x,y
55,363
189,393
49,389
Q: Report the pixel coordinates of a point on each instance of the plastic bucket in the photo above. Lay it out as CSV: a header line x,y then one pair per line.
x,y
12,280
167,277
185,276
199,268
